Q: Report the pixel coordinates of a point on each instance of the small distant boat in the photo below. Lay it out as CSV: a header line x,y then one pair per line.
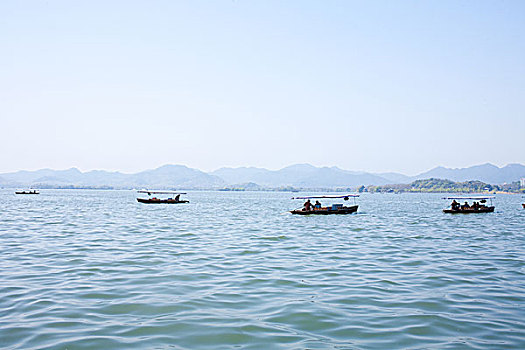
x,y
333,209
474,208
27,192
173,199
523,205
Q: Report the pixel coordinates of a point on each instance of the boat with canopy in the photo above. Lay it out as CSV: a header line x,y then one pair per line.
x,y
317,209
27,192
173,197
479,205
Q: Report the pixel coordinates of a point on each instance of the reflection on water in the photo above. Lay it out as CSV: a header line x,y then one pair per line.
x,y
96,269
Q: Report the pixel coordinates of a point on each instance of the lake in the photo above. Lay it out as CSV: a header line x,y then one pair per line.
x,y
85,269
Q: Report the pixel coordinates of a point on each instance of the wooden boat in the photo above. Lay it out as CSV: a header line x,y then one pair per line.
x,y
475,208
326,211
160,201
27,192
334,209
175,199
469,210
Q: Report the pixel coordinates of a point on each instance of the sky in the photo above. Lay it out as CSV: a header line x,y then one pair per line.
x,y
376,86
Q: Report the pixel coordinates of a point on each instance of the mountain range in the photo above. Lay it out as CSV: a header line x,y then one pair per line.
x,y
298,175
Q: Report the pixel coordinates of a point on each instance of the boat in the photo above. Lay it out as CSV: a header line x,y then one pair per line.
x,y
27,192
333,209
475,208
173,199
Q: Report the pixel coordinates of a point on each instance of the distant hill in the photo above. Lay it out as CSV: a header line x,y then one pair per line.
x,y
243,175
293,176
176,176
306,175
25,176
395,178
488,173
167,176
300,175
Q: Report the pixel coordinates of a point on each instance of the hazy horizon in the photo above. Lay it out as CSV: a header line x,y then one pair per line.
x,y
365,86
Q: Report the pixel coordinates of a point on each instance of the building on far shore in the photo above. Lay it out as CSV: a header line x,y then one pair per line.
x,y
522,182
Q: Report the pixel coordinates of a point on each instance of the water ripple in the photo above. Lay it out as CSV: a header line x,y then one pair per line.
x,y
96,269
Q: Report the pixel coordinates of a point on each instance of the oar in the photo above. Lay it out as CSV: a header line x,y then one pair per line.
x,y
288,212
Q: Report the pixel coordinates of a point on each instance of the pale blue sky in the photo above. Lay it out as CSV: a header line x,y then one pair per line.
x,y
371,85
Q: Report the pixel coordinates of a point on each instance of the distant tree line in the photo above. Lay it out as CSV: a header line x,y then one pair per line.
x,y
441,185
71,187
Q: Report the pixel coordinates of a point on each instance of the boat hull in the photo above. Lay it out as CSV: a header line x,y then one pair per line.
x,y
341,211
159,201
469,211
24,192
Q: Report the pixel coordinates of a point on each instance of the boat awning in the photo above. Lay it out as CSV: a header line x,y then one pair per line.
x,y
470,197
327,196
160,192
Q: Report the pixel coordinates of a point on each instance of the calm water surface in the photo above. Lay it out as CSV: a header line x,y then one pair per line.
x,y
97,270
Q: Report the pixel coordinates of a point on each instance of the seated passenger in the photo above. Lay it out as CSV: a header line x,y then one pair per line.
x,y
307,206
454,205
465,206
317,205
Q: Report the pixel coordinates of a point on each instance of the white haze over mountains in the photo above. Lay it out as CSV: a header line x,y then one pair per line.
x,y
299,175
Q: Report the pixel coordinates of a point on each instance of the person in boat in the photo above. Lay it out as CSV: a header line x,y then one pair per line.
x,y
177,198
465,206
317,205
454,205
307,206
475,205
